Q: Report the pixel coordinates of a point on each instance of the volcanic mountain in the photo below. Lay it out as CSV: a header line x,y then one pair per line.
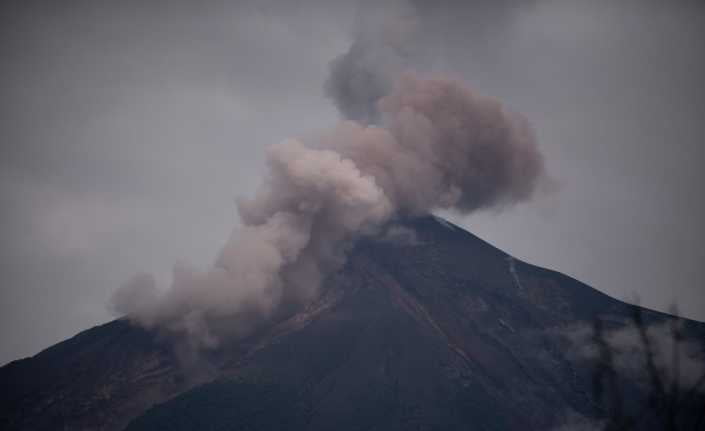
x,y
425,328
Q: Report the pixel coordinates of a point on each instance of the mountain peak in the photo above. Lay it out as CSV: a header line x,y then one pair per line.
x,y
426,327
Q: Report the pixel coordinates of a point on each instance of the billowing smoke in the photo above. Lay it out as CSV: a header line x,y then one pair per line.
x,y
435,144
382,49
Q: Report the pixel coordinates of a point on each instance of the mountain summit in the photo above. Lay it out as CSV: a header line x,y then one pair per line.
x,y
426,327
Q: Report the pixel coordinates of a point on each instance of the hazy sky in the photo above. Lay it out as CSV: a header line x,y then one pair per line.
x,y
130,127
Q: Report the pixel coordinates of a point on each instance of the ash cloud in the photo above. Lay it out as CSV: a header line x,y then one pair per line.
x,y
383,47
435,144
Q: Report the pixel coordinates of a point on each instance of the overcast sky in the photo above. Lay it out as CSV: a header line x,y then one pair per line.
x,y
129,128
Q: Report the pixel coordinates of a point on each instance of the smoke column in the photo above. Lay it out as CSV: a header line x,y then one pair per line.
x,y
383,47
410,145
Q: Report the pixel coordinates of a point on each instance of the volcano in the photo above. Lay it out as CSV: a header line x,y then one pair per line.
x,y
428,329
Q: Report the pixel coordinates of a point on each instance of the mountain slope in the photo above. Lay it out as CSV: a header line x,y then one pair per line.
x,y
432,329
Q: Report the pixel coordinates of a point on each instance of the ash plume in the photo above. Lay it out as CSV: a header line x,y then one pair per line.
x,y
435,144
383,47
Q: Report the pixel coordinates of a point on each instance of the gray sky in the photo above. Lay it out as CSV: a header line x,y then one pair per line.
x,y
130,127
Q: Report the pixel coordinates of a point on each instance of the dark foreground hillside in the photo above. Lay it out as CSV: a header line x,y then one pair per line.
x,y
427,328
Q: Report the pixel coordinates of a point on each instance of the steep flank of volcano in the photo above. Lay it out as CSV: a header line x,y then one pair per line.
x,y
426,327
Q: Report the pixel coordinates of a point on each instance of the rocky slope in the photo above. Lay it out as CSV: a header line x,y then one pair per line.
x,y
428,329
